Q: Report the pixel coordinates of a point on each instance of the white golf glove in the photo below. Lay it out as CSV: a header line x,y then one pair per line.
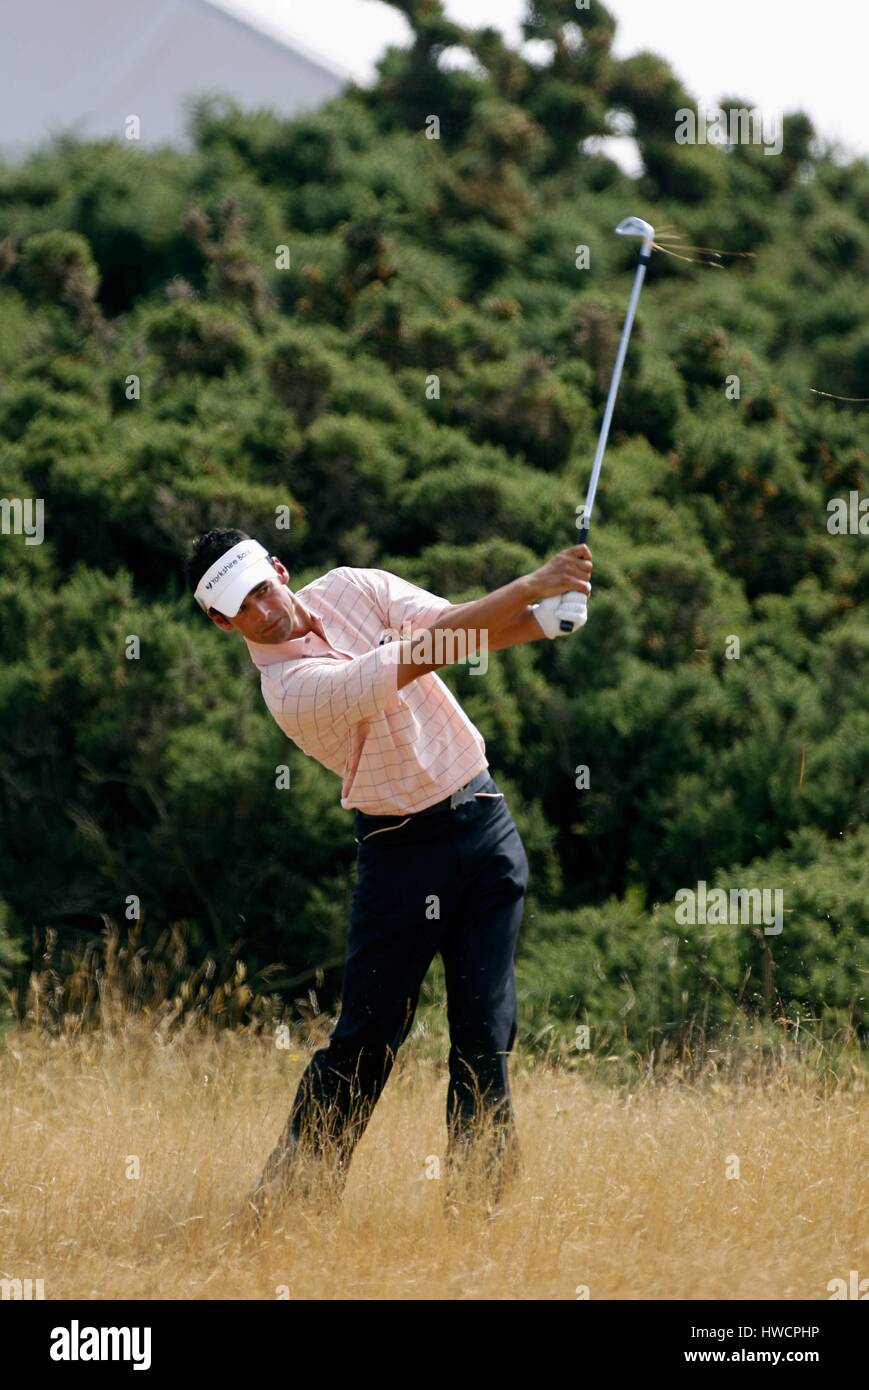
x,y
571,607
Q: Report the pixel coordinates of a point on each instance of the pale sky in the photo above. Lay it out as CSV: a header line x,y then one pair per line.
x,y
780,55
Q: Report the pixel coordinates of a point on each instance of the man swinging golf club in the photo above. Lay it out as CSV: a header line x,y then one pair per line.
x,y
440,864
431,825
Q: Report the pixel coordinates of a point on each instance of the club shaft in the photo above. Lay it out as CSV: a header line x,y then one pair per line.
x,y
613,391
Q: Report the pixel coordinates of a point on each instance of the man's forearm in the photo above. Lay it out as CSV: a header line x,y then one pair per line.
x,y
523,628
501,619
516,624
504,616
492,613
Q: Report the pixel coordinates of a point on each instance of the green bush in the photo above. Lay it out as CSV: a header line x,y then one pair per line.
x,y
421,390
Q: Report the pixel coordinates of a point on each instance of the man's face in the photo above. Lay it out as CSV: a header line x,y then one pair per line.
x,y
269,612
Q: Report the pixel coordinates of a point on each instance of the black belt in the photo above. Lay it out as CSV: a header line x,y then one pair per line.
x,y
456,798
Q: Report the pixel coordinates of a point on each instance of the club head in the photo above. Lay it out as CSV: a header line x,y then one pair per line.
x,y
635,226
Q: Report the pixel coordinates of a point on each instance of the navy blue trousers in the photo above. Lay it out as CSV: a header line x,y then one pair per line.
x,y
452,882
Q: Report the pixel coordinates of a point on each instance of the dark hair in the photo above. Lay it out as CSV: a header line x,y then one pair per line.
x,y
206,550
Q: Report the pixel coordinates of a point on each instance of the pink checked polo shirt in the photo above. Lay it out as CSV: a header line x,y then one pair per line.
x,y
397,751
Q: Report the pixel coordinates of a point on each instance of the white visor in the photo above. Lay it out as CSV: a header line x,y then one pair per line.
x,y
230,579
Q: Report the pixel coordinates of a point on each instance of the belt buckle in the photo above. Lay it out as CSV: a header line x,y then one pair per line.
x,y
461,796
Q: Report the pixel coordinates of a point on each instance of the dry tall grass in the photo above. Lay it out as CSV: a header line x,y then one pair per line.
x,y
624,1189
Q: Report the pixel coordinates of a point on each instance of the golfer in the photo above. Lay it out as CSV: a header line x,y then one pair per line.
x,y
347,669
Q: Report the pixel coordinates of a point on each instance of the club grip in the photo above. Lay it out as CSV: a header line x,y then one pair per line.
x,y
578,602
576,605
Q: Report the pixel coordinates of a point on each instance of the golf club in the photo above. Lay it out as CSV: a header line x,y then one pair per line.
x,y
573,610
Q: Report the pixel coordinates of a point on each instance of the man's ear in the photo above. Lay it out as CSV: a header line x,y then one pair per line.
x,y
220,620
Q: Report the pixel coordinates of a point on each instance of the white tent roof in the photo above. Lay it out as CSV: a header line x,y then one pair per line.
x,y
84,67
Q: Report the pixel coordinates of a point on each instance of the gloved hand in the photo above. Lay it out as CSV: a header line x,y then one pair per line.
x,y
571,607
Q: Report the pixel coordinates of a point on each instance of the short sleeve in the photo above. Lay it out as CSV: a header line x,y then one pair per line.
x,y
399,602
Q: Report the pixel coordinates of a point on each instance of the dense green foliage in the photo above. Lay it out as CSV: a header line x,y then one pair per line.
x,y
309,387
